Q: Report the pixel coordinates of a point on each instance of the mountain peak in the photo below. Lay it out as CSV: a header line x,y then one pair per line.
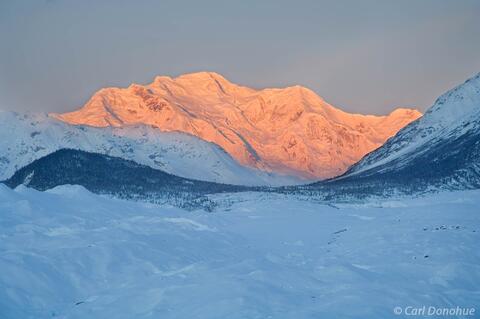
x,y
161,78
459,101
287,130
404,111
202,75
298,89
210,80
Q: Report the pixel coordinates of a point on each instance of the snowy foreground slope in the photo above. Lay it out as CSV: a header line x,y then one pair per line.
x,y
67,253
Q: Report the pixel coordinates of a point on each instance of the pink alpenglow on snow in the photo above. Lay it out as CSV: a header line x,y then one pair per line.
x,y
287,130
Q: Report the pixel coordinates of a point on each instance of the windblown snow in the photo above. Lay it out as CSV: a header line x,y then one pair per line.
x,y
67,253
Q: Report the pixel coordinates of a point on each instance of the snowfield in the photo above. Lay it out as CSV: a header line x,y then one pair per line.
x,y
67,253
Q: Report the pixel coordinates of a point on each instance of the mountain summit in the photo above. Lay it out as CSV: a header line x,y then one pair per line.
x,y
290,130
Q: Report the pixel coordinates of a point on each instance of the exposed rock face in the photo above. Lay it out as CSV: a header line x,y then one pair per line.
x,y
290,130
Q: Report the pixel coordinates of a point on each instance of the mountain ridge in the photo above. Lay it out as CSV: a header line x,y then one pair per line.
x,y
34,135
453,114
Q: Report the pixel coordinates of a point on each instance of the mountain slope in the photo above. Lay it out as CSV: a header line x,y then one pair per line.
x,y
439,150
27,137
103,174
290,130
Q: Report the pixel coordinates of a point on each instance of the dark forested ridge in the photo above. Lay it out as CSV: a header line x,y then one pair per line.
x,y
446,164
103,174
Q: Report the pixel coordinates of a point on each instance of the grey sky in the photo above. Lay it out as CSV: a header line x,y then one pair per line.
x,y
362,56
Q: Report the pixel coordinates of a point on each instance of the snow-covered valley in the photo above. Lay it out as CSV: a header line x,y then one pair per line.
x,y
68,253
399,231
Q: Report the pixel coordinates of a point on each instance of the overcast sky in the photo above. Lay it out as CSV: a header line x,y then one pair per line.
x,y
362,56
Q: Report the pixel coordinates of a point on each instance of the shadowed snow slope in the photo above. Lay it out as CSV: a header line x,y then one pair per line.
x,y
455,115
439,150
290,130
67,253
27,137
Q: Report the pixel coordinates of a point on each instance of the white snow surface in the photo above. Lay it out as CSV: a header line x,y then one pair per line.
x,y
30,136
67,253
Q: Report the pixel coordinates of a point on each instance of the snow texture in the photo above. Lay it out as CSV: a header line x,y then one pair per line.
x,y
67,253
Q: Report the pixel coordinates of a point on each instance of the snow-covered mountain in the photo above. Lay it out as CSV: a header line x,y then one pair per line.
x,y
290,130
441,149
27,137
